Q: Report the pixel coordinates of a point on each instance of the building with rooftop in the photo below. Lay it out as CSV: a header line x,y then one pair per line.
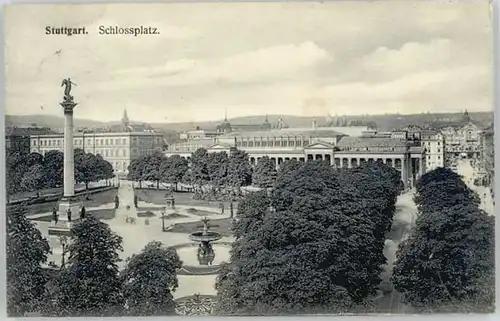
x,y
118,148
462,138
318,143
17,138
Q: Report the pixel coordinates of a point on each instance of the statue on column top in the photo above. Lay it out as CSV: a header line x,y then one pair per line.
x,y
67,90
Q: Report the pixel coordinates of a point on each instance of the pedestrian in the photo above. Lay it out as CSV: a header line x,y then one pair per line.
x,y
82,212
231,209
68,213
54,215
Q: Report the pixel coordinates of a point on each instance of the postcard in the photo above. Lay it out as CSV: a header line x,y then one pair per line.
x,y
249,159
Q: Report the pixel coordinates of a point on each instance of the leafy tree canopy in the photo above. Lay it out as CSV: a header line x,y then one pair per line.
x,y
27,250
264,173
149,280
89,284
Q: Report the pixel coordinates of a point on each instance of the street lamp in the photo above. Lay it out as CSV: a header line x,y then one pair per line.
x,y
83,140
163,221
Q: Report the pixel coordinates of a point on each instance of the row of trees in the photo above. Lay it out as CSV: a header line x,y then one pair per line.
x,y
28,172
217,170
89,283
448,262
313,244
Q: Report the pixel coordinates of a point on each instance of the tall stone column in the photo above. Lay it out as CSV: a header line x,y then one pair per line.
x,y
69,155
69,205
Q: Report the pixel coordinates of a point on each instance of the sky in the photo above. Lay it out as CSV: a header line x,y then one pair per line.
x,y
305,59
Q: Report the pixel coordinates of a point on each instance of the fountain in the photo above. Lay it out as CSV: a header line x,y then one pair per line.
x,y
206,253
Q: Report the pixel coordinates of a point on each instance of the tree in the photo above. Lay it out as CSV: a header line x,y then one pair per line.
x,y
448,260
34,159
53,163
239,170
151,170
104,169
264,173
149,279
173,169
16,166
305,256
136,169
437,175
89,284
87,168
440,195
217,168
251,212
27,250
316,190
288,167
33,179
198,173
375,187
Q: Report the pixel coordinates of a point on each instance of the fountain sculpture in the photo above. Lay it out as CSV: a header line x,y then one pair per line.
x,y
205,238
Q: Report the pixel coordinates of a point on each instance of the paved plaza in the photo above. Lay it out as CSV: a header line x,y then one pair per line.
x,y
136,236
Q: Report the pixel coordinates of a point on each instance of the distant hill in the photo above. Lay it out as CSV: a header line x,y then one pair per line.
x,y
49,121
384,122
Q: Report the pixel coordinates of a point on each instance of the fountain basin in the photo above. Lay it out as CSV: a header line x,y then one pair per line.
x,y
208,236
188,253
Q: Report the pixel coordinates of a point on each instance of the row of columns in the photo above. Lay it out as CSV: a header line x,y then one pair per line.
x,y
411,168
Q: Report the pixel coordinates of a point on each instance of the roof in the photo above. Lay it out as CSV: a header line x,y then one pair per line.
x,y
319,143
290,132
370,142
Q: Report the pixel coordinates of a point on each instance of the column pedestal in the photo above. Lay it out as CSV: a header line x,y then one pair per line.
x,y
63,226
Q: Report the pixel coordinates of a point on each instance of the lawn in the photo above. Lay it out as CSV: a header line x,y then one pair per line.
x,y
222,226
97,199
172,216
103,214
200,213
182,198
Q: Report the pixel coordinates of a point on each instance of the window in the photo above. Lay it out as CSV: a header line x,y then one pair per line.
x,y
117,141
107,141
34,143
124,141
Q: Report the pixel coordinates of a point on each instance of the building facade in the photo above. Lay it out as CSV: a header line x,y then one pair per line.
x,y
339,149
17,139
435,145
488,158
462,139
117,148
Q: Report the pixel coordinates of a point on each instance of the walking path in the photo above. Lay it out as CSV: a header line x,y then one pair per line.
x,y
403,222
